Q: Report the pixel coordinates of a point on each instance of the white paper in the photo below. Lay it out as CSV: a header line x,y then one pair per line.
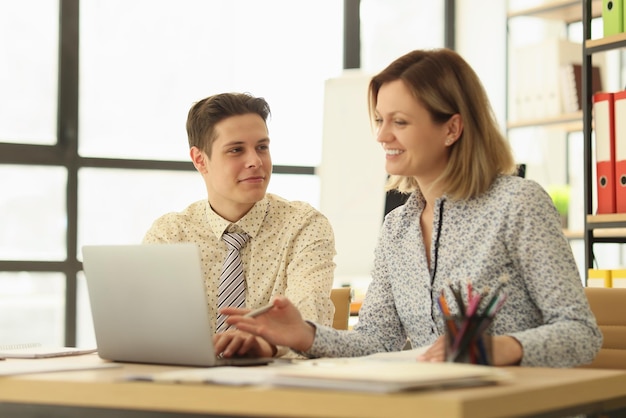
x,y
404,355
13,367
40,351
383,374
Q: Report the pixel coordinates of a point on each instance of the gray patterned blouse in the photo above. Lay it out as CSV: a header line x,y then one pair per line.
x,y
513,231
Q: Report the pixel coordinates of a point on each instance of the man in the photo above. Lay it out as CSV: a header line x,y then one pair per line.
x,y
288,246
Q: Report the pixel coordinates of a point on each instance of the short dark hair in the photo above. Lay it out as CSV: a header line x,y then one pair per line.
x,y
208,112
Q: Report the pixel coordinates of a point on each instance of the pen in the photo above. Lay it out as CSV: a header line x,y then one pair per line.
x,y
259,311
456,292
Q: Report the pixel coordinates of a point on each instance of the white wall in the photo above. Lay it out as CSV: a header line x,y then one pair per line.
x,y
352,175
481,39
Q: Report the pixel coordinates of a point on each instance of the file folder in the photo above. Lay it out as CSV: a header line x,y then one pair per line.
x,y
605,151
618,278
612,17
599,278
619,122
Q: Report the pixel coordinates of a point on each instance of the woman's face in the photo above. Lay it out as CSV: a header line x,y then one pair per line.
x,y
414,145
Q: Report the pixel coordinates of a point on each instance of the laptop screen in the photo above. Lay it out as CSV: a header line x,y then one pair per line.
x,y
149,304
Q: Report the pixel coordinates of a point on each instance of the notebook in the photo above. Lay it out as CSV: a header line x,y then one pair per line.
x,y
149,305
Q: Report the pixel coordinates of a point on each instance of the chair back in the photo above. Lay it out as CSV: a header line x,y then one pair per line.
x,y
609,307
341,297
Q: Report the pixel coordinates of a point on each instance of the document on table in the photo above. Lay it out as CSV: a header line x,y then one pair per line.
x,y
385,376
41,351
17,367
404,355
349,374
227,375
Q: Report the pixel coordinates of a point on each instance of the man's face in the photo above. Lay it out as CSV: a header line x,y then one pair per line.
x,y
239,170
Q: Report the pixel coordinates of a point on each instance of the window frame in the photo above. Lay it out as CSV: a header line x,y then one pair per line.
x,y
65,152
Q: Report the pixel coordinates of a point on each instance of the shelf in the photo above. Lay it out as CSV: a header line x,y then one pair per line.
x,y
606,228
612,220
570,122
569,234
597,233
604,44
610,233
568,11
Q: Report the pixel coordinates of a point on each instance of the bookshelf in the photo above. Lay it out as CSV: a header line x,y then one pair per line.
x,y
593,46
570,122
566,12
559,127
606,228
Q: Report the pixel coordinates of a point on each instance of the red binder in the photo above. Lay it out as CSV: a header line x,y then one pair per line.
x,y
605,151
619,125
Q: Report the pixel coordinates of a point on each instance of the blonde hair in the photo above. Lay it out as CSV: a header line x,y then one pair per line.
x,y
444,83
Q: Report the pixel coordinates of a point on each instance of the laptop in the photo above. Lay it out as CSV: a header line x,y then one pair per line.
x,y
149,305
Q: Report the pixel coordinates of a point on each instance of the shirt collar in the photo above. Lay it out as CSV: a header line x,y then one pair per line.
x,y
417,200
250,223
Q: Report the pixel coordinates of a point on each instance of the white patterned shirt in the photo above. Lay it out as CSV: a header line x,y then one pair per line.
x,y
290,252
512,230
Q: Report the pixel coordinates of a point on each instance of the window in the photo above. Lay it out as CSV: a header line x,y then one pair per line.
x,y
391,28
37,194
28,73
142,64
145,62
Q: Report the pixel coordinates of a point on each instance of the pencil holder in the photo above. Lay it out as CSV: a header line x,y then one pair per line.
x,y
467,340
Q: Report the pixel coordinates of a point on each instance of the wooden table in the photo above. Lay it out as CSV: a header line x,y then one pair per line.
x,y
102,393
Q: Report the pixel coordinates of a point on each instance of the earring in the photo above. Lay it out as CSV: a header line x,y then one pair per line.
x,y
448,142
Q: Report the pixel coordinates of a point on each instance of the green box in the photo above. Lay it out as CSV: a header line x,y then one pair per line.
x,y
612,16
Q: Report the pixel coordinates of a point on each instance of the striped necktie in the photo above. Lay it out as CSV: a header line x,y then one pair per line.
x,y
232,285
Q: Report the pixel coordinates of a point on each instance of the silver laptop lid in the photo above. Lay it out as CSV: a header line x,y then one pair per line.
x,y
149,303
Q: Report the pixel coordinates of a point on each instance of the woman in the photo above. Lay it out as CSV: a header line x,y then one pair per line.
x,y
468,218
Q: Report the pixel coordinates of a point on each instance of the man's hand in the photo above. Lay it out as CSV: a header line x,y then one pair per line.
x,y
236,343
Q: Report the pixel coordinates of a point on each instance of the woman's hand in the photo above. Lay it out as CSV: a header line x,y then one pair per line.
x,y
505,351
281,325
236,343
436,352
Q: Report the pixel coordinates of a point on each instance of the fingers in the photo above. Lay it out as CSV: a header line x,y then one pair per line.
x,y
244,324
436,352
254,312
220,341
281,302
236,343
234,311
280,325
247,346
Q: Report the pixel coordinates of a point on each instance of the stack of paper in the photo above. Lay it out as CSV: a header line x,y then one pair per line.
x,y
349,374
41,351
378,376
